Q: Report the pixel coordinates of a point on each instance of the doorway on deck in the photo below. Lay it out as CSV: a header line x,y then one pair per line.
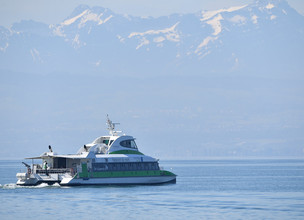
x,y
59,162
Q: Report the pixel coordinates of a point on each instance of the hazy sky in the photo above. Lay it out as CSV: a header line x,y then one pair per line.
x,y
55,11
185,116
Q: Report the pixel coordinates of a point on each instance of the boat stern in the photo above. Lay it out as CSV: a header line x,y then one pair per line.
x,y
25,179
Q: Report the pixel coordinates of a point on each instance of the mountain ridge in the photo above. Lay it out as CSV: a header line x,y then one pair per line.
x,y
220,83
95,39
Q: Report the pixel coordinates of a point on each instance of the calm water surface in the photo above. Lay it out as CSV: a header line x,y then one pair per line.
x,y
205,189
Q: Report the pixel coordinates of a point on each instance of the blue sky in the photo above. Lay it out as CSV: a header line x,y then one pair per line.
x,y
56,10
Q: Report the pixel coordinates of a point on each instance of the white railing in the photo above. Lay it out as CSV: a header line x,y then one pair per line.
x,y
54,170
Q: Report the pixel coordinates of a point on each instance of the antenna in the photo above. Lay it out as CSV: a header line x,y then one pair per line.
x,y
111,126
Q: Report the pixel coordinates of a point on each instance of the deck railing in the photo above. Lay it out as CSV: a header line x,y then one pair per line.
x,y
54,170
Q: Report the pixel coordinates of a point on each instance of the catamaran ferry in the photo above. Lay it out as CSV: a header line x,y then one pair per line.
x,y
113,159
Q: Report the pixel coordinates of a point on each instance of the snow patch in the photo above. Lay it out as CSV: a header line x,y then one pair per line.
x,y
216,24
254,19
76,41
159,39
206,15
107,19
144,41
93,17
57,30
238,19
72,20
170,30
121,39
203,55
174,37
204,43
269,6
169,34
90,17
36,55
86,16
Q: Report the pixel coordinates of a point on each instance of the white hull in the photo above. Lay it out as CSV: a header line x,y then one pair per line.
x,y
119,180
69,181
35,179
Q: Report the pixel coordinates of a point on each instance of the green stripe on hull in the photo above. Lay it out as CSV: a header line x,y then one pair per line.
x,y
166,173
126,174
127,152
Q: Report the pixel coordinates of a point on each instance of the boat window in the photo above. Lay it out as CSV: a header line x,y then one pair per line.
x,y
114,166
102,167
129,144
106,142
97,167
111,142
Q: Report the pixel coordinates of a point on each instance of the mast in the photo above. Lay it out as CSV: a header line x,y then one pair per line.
x,y
111,126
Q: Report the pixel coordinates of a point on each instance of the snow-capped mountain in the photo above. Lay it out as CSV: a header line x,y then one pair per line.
x,y
227,82
262,37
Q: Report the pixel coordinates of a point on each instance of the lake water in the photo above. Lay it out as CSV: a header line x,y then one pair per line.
x,y
205,189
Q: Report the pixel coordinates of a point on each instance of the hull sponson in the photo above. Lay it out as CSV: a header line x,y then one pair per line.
x,y
148,180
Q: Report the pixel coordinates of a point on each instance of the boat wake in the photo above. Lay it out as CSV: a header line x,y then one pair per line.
x,y
42,185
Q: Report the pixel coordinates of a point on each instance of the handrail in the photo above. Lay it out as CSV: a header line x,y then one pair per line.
x,y
54,170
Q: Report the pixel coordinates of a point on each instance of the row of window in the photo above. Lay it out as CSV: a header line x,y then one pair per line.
x,y
129,144
126,143
98,167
